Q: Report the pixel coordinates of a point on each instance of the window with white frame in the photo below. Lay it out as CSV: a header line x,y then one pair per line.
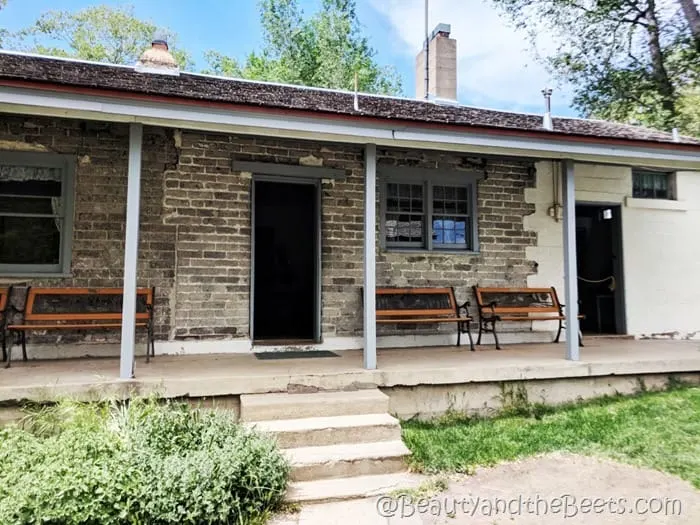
x,y
36,212
653,185
429,214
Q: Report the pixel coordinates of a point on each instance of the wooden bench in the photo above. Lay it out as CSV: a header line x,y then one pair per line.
x,y
423,306
518,304
80,309
4,306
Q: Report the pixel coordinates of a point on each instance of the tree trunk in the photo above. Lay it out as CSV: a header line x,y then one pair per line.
x,y
663,83
692,15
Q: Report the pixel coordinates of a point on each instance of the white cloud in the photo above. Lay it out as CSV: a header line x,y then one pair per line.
x,y
495,65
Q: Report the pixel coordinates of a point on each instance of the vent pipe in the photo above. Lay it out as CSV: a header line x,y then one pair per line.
x,y
676,135
547,120
427,54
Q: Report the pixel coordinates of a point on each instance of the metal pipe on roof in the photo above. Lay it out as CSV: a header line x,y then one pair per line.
x,y
427,53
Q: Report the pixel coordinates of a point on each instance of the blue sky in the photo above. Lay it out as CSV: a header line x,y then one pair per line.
x,y
495,69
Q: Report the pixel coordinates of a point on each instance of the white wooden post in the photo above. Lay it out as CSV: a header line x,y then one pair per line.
x,y
570,270
370,320
131,249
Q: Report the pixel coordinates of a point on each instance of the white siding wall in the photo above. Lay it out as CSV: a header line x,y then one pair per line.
x,y
661,247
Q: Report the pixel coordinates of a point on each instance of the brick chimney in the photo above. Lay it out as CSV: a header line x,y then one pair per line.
x,y
442,66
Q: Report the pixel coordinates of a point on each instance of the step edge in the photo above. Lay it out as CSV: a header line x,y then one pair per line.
x,y
324,422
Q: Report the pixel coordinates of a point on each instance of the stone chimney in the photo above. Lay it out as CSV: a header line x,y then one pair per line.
x,y
442,66
158,59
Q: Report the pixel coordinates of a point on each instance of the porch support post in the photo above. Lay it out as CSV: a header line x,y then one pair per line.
x,y
570,270
131,248
370,307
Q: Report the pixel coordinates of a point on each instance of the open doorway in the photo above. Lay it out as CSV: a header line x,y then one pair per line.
x,y
599,262
285,262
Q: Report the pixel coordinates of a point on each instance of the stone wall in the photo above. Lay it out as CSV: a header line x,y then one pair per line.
x,y
196,223
101,154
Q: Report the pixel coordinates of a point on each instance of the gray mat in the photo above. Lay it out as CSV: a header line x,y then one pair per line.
x,y
295,354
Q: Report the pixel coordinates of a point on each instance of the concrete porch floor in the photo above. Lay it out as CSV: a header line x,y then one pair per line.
x,y
234,374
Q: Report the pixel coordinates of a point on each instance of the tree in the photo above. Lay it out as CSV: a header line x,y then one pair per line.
x,y
99,33
690,11
627,60
324,50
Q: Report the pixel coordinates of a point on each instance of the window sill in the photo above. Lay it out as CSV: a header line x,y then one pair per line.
x,y
423,251
656,204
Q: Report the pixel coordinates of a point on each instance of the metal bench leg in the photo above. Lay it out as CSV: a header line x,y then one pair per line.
x,y
9,350
4,344
469,333
495,335
580,338
459,333
149,340
481,329
556,339
24,345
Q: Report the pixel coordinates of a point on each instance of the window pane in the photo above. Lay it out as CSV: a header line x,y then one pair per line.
x,y
450,221
31,206
450,231
30,240
650,185
404,228
404,198
30,180
30,190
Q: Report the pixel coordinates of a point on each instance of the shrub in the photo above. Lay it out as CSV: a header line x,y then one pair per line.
x,y
138,463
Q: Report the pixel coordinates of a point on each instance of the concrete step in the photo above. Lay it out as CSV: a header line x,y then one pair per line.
x,y
331,430
328,490
264,407
347,460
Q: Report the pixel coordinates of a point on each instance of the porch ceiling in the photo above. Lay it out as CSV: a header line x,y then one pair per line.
x,y
233,374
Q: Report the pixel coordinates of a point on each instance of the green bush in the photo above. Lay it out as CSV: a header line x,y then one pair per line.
x,y
141,463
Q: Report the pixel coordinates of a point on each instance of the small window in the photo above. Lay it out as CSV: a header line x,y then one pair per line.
x,y
429,215
652,185
35,214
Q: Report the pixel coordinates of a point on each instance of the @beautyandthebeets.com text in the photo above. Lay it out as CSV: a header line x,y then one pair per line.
x,y
564,506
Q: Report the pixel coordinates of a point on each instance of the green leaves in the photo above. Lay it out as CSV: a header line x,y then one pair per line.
x,y
138,463
100,33
628,60
324,50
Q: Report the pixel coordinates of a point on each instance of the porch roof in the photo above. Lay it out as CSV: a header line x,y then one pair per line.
x,y
18,69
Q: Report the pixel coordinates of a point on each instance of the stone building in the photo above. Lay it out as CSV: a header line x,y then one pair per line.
x,y
259,211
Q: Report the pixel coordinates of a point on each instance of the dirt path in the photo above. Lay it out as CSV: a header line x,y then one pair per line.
x,y
545,490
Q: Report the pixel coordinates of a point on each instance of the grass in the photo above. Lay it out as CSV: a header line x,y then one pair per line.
x,y
656,430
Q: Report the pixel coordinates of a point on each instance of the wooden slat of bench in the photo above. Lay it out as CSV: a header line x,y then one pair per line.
x,y
85,291
522,309
514,290
71,326
4,292
425,320
410,313
418,312
412,291
83,316
531,318
116,316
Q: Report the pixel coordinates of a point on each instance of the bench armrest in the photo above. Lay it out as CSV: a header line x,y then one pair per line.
x,y
464,306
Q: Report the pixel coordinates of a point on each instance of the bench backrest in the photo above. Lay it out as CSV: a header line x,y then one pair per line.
x,y
518,300
4,298
414,302
84,304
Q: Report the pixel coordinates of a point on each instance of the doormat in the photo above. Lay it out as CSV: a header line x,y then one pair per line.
x,y
295,354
